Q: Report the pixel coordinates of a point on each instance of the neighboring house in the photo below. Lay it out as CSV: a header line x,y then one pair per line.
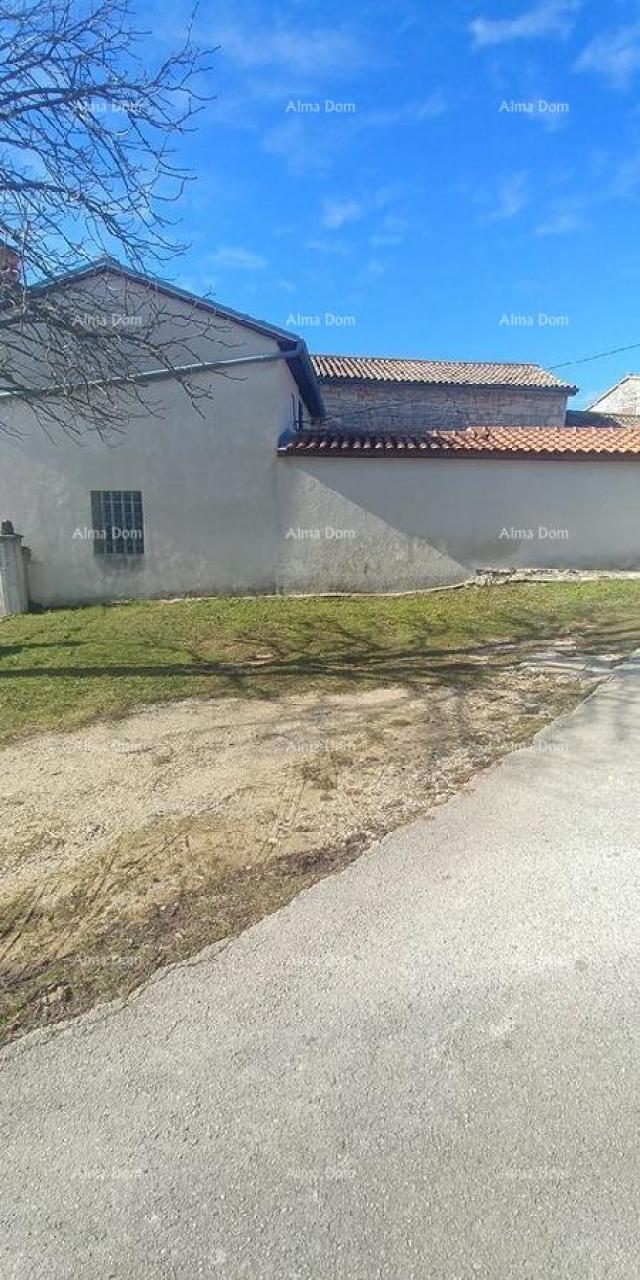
x,y
623,398
383,393
309,474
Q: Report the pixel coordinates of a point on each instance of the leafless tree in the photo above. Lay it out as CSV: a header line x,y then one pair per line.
x,y
88,135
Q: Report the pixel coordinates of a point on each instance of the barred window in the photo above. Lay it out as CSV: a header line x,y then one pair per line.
x,y
117,524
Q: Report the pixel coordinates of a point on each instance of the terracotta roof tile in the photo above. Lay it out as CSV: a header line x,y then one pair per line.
x,y
476,442
443,372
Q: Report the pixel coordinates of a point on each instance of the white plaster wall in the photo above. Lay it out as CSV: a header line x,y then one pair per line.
x,y
181,329
344,531
369,525
207,491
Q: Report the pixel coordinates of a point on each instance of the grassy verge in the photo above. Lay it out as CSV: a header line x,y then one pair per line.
x,y
67,667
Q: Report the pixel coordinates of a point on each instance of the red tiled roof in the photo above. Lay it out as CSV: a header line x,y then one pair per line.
x,y
443,372
476,442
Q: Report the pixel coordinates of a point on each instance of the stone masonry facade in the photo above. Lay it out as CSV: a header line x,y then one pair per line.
x,y
380,406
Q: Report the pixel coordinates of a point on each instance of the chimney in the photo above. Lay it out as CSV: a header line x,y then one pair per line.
x,y
9,266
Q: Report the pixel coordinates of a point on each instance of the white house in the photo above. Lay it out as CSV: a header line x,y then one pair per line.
x,y
307,474
188,487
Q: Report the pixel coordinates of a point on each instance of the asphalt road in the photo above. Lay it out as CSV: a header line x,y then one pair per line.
x,y
426,1066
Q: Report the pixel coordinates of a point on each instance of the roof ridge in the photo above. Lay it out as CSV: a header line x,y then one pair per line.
x,y
420,370
507,364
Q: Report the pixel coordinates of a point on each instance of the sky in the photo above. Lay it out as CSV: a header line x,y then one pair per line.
x,y
450,180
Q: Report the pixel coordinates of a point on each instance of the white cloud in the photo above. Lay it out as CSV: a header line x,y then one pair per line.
x,y
322,51
371,271
625,178
551,18
307,144
611,179
615,55
340,212
394,223
435,105
512,197
311,142
336,213
384,240
561,223
333,247
392,231
237,259
428,108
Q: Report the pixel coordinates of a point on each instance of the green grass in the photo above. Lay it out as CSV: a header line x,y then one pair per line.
x,y
69,666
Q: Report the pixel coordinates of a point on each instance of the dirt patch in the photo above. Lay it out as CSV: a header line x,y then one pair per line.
x,y
128,845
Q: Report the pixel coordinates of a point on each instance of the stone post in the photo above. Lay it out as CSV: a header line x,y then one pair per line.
x,y
14,592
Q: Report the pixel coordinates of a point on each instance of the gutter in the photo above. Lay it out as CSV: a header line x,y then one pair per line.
x,y
297,351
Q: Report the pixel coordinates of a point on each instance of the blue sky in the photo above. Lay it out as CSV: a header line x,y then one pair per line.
x,y
422,179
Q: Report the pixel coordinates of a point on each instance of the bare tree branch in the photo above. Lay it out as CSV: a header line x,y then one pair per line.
x,y
88,134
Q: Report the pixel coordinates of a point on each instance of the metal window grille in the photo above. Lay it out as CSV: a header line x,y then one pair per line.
x,y
117,522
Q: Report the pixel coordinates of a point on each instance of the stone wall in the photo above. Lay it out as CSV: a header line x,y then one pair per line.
x,y
393,405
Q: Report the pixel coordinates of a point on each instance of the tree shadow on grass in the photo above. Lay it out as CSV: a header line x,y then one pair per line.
x,y
8,650
364,665
270,664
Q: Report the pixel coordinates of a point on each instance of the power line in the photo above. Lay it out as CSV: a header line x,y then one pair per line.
x,y
600,356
